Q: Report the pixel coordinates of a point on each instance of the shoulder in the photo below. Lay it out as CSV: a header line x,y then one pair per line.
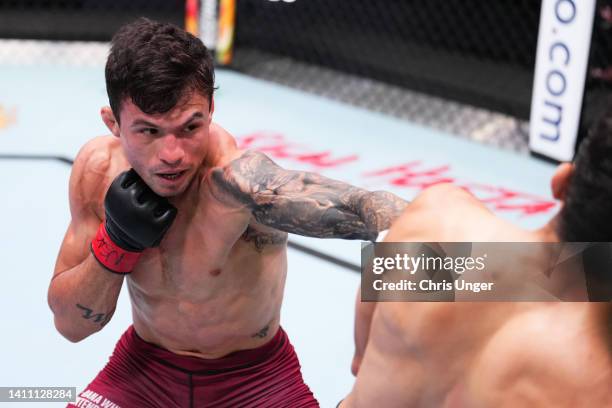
x,y
223,147
551,348
96,153
442,195
433,213
247,174
225,152
244,168
91,171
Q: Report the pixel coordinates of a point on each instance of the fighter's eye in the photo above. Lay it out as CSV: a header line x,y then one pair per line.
x,y
149,131
191,128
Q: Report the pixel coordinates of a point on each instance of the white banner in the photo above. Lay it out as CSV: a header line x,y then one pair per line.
x,y
564,41
208,23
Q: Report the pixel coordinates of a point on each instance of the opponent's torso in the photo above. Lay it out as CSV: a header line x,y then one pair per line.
x,y
420,354
215,283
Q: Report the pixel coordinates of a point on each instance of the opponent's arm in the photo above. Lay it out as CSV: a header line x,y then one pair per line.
x,y
364,311
305,203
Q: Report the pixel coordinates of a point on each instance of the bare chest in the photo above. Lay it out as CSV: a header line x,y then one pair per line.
x,y
206,248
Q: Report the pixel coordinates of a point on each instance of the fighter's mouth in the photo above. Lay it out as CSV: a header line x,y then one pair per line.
x,y
171,176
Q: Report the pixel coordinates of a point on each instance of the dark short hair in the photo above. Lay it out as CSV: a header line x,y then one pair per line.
x,y
155,65
586,215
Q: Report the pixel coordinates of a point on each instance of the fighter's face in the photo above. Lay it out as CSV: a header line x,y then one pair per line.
x,y
167,149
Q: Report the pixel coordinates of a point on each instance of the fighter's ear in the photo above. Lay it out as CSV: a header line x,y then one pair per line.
x,y
108,117
211,109
561,180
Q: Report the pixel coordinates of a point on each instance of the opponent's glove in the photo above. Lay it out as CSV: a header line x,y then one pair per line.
x,y
136,219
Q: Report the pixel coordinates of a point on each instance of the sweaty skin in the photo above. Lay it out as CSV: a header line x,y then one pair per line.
x,y
494,354
215,284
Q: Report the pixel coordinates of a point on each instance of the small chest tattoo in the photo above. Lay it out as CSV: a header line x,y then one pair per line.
x,y
263,239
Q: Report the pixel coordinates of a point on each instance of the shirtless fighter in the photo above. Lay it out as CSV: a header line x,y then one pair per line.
x,y
198,230
494,354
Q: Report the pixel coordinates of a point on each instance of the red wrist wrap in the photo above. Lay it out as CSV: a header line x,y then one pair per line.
x,y
111,256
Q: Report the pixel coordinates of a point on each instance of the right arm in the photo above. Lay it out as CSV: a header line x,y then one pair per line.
x,y
391,372
83,294
363,320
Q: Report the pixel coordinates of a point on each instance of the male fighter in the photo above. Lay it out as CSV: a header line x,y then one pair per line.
x,y
198,230
498,354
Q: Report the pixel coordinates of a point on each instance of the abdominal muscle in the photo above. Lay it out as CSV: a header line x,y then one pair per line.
x,y
201,314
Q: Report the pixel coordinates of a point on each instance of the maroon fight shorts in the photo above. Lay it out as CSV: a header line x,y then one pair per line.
x,y
141,375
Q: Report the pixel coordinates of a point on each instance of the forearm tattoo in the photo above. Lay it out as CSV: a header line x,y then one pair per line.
x,y
305,203
100,318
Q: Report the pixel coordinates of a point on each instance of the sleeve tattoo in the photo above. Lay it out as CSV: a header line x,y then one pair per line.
x,y
305,203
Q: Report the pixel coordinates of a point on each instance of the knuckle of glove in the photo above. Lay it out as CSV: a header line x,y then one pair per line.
x,y
137,211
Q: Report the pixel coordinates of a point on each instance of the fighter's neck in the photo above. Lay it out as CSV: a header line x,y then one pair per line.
x,y
191,196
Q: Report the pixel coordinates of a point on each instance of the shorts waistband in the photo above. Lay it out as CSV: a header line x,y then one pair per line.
x,y
189,364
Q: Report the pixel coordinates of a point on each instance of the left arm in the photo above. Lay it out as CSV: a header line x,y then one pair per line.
x,y
305,203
